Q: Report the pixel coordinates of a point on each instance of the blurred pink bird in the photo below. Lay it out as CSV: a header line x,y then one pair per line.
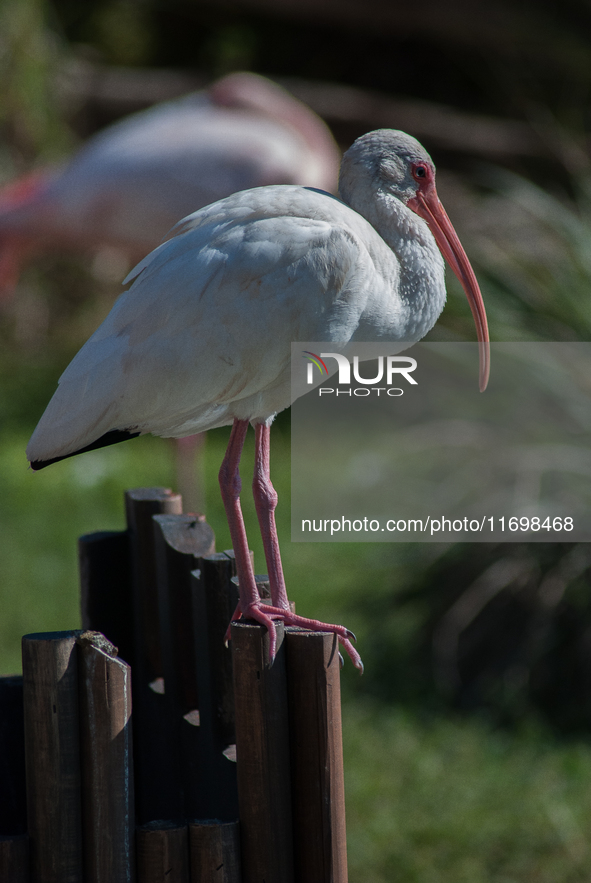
x,y
131,183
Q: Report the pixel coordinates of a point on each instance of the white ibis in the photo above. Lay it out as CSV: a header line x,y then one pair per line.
x,y
129,184
202,338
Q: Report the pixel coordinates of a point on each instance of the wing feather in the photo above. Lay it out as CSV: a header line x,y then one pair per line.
x,y
204,331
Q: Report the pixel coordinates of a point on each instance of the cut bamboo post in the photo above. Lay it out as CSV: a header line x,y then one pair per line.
x,y
50,692
214,600
13,807
14,841
140,505
156,760
262,749
14,858
318,788
180,541
105,588
284,718
162,850
106,759
215,596
214,849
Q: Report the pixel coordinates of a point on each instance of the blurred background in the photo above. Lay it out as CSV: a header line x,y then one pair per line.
x,y
467,740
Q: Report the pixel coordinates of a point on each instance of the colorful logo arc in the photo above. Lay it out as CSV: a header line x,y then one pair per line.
x,y
316,360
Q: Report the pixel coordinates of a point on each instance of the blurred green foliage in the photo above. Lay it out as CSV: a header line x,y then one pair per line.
x,y
502,630
538,281
122,30
431,800
490,56
31,121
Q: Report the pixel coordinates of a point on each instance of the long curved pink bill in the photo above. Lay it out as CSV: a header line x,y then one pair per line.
x,y
428,206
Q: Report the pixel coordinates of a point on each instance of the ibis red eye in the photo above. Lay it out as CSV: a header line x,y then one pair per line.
x,y
420,172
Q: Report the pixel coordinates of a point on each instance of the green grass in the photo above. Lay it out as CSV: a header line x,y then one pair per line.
x,y
432,801
41,516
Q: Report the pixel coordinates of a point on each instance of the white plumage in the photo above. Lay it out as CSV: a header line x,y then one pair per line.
x,y
202,338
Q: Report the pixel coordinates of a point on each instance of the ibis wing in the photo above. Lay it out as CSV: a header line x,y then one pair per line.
x,y
205,328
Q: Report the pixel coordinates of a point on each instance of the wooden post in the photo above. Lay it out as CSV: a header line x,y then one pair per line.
x,y
14,858
50,692
162,850
318,788
214,849
13,806
77,733
156,782
262,748
106,761
14,842
140,505
105,588
214,600
215,596
180,542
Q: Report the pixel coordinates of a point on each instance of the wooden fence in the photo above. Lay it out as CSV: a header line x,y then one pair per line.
x,y
228,770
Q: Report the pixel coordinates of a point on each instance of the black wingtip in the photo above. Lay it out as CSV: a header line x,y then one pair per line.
x,y
109,438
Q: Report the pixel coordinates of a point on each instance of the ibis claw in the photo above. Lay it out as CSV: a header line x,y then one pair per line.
x,y
352,653
267,615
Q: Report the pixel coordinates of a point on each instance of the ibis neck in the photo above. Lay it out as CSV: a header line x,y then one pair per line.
x,y
420,285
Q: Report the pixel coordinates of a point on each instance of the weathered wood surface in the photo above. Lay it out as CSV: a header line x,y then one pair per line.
x,y
214,597
179,541
156,785
50,691
105,587
14,858
318,788
214,849
162,849
106,758
262,750
140,505
13,805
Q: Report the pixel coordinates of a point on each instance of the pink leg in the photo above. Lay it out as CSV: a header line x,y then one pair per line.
x,y
230,486
265,498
